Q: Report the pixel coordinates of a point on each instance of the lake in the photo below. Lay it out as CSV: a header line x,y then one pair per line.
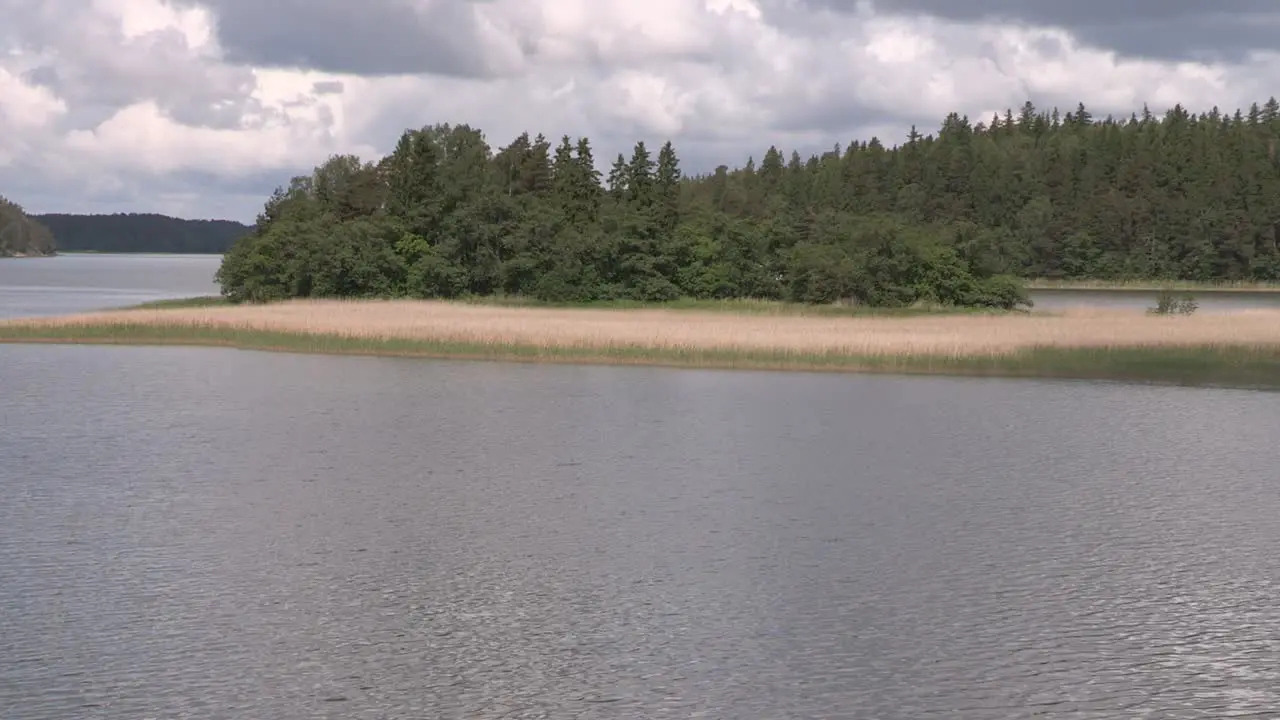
x,y
82,282
198,532
1215,301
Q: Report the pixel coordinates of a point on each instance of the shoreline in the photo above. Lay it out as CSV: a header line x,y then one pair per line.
x,y
141,252
1223,367
1242,352
1152,286
737,306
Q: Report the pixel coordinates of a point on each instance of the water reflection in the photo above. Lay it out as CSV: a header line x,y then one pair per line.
x,y
1208,302
228,534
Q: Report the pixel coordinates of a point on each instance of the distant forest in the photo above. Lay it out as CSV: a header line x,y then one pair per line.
x,y
954,217
20,234
125,233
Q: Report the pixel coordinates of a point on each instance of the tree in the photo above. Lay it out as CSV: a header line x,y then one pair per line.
x,y
949,218
618,178
21,235
640,176
667,182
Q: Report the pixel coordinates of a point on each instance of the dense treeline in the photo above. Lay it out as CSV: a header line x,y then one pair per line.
x,y
142,233
20,234
950,218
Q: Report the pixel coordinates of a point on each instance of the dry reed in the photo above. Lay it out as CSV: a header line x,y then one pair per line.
x,y
949,335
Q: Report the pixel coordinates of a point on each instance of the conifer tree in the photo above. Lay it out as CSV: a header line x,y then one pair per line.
x,y
948,216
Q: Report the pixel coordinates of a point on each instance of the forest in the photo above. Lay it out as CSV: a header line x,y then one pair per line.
x,y
146,232
20,234
956,217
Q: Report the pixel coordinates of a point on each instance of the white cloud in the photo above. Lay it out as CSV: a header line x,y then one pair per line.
x,y
637,32
141,138
25,111
140,18
26,107
106,104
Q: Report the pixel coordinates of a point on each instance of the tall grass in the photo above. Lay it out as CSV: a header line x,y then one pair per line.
x,y
1240,348
671,329
189,302
742,306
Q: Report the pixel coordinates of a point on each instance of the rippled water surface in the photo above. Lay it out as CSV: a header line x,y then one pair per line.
x,y
200,533
81,282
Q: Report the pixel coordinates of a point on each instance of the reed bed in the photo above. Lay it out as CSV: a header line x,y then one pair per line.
x,y
683,331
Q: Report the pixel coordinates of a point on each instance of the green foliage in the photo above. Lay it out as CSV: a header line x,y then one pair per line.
x,y
20,234
177,303
1170,303
144,232
952,219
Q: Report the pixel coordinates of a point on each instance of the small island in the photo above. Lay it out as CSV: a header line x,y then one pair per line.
x,y
911,258
20,235
1228,350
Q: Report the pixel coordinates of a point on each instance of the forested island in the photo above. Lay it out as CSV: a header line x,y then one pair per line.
x,y
20,235
954,217
141,232
788,264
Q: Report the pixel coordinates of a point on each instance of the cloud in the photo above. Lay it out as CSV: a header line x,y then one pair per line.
x,y
379,37
125,51
1163,29
200,108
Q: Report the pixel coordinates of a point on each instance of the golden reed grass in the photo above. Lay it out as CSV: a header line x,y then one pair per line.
x,y
952,335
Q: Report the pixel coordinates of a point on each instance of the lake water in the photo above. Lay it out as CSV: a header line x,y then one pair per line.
x,y
1207,302
195,532
78,283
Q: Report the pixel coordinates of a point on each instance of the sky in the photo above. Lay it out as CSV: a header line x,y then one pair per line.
x,y
199,108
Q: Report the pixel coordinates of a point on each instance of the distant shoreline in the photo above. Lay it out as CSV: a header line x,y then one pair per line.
x,y
1239,350
139,252
1032,284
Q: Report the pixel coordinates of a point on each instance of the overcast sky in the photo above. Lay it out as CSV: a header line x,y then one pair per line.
x,y
198,108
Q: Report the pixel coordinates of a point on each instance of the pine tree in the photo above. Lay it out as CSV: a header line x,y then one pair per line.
x,y
667,183
414,188
618,178
535,170
1182,195
1083,117
587,190
640,176
564,168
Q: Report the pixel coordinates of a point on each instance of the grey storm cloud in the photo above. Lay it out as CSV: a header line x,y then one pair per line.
x,y
328,87
1161,29
390,37
1078,13
373,37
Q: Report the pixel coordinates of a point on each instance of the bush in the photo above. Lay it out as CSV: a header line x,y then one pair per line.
x,y
1170,303
1005,292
